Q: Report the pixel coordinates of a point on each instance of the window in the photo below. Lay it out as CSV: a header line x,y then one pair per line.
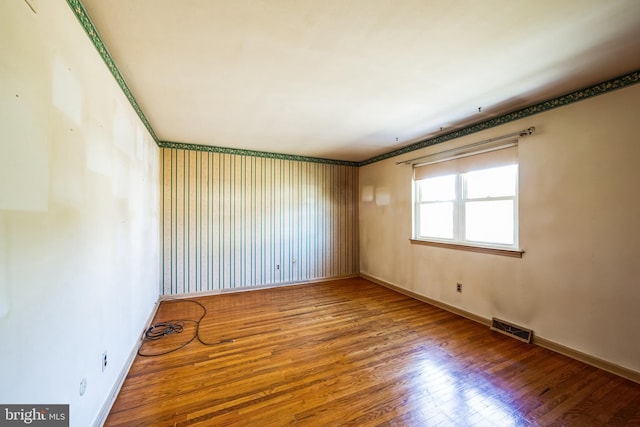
x,y
471,200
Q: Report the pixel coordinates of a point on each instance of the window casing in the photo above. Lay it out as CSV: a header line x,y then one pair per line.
x,y
471,201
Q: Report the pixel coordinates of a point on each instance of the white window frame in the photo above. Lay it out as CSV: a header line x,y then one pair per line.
x,y
459,212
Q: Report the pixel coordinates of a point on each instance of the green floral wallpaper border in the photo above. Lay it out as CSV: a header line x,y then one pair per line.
x,y
579,95
252,153
91,31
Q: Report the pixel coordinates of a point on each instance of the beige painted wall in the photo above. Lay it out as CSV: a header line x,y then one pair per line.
x,y
578,284
232,221
78,215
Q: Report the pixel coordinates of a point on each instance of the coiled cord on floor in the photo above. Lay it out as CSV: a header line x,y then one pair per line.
x,y
159,330
162,329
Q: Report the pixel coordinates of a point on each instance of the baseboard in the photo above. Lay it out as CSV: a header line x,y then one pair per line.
x,y
588,359
439,304
539,341
101,418
255,288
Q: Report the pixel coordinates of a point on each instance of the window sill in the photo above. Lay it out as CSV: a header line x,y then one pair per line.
x,y
514,253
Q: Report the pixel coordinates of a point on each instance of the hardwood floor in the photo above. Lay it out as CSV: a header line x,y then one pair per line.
x,y
350,352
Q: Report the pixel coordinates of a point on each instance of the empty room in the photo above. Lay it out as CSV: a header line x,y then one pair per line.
x,y
319,213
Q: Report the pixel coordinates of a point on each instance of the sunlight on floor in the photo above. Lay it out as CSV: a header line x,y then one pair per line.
x,y
453,398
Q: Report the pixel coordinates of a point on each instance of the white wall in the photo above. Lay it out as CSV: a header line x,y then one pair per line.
x,y
578,284
78,214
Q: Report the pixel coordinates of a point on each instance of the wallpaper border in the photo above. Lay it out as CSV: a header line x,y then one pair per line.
x,y
252,153
570,98
92,32
578,95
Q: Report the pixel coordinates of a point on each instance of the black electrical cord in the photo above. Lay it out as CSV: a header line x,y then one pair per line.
x,y
159,330
162,329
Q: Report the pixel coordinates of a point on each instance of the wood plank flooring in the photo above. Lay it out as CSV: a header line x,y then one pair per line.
x,y
353,353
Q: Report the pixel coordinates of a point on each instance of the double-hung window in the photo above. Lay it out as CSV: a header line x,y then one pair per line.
x,y
469,200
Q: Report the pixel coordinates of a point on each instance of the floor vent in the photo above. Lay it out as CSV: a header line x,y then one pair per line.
x,y
512,330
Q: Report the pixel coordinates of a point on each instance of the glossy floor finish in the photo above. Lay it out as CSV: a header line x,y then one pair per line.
x,y
351,352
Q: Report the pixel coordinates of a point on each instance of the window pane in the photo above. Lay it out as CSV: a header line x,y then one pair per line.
x,y
438,188
436,220
495,182
490,222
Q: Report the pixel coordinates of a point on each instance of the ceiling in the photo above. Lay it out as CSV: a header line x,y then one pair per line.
x,y
353,79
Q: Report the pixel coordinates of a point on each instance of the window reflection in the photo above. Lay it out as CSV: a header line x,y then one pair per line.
x,y
457,398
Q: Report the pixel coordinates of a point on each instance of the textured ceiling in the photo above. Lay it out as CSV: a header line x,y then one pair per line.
x,y
353,79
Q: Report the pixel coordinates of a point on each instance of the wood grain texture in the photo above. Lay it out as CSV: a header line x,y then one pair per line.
x,y
350,352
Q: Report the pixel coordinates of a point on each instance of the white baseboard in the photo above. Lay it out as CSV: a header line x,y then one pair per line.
x,y
254,288
101,418
539,341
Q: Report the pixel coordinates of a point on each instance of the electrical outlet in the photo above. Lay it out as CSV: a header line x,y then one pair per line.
x,y
104,361
83,386
459,287
277,266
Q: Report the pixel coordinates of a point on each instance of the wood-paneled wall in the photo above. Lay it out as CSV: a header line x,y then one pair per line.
x,y
235,221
